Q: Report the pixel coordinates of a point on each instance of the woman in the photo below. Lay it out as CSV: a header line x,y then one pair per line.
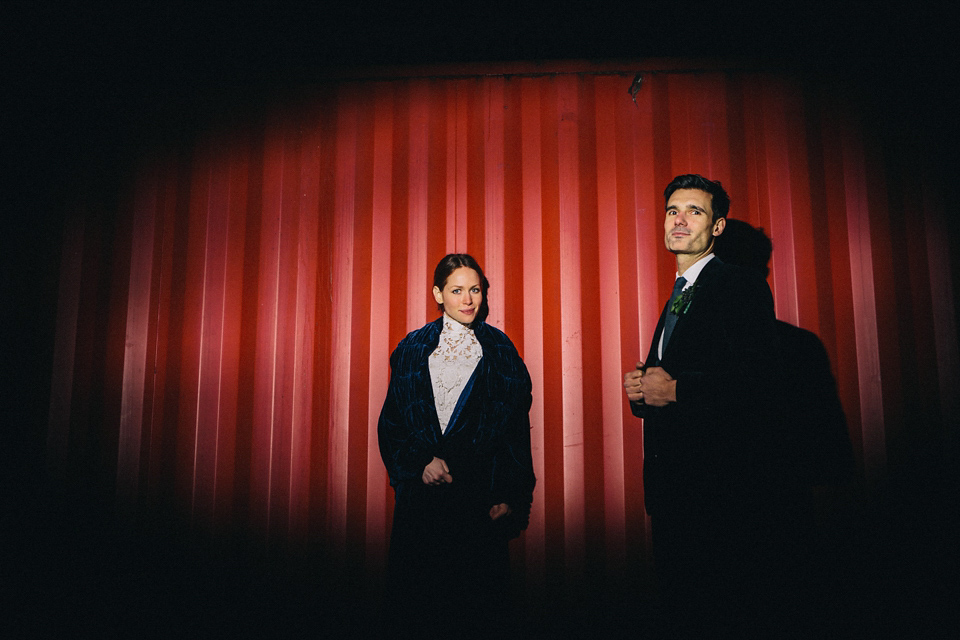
x,y
454,435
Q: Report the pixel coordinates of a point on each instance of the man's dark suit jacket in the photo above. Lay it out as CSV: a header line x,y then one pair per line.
x,y
709,457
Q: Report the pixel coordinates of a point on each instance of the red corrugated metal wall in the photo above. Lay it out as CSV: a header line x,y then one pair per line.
x,y
223,336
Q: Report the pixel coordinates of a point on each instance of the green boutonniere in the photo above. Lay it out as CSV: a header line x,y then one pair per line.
x,y
683,301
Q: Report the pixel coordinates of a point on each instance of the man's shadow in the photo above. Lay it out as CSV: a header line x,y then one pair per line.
x,y
815,450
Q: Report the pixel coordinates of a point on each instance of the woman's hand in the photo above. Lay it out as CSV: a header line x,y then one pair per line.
x,y
499,510
436,472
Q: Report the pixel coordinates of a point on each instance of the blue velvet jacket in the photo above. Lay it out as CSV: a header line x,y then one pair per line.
x,y
487,443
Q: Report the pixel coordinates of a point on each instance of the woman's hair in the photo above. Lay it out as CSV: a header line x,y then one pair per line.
x,y
450,263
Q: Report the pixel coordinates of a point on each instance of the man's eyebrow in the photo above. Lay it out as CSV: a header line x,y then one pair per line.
x,y
689,206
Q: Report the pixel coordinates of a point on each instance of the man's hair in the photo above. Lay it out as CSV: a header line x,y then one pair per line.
x,y
720,201
450,263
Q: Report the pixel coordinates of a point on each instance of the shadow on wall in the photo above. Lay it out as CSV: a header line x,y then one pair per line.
x,y
877,557
816,440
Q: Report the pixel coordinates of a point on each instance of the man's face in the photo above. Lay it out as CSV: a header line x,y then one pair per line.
x,y
689,227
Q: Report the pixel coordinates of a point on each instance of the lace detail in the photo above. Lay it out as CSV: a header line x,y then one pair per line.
x,y
451,365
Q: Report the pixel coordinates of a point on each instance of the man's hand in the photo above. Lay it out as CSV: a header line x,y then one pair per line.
x,y
659,389
436,472
633,383
499,510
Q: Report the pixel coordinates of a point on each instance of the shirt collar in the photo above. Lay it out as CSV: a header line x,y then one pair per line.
x,y
693,272
452,326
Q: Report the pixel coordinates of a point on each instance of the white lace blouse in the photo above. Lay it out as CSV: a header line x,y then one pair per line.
x,y
451,365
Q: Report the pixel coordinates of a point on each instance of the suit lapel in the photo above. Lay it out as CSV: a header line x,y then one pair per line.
x,y
465,395
425,384
703,280
431,406
653,356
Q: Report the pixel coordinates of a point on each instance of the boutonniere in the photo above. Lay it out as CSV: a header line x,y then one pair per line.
x,y
682,304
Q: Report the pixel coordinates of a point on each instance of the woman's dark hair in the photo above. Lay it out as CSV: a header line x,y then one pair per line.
x,y
719,202
450,263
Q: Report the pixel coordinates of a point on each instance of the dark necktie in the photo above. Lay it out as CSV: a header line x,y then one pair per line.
x,y
671,319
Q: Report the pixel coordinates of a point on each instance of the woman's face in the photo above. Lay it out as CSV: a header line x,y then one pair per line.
x,y
461,295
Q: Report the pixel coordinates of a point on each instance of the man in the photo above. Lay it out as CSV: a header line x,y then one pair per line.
x,y
706,392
